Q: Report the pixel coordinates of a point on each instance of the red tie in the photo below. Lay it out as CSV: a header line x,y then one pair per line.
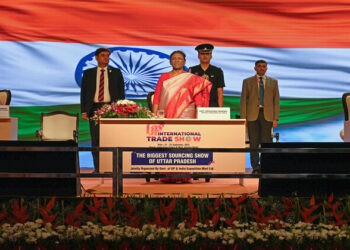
x,y
101,87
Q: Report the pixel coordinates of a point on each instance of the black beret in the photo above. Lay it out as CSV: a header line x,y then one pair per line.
x,y
205,48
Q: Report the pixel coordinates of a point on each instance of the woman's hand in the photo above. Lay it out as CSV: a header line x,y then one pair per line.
x,y
155,109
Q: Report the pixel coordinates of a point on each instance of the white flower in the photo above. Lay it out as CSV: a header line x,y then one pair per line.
x,y
186,240
45,235
39,221
150,237
125,102
30,240
212,235
250,240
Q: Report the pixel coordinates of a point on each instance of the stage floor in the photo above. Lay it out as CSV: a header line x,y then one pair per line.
x,y
154,188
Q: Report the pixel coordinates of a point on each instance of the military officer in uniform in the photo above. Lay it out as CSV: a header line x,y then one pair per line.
x,y
214,74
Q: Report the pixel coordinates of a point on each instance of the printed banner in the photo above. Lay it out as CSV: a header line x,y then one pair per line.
x,y
171,158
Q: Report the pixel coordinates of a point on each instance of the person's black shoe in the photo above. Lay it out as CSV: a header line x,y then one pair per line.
x,y
257,170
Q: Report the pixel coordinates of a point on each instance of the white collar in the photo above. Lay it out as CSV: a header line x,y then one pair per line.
x,y
264,76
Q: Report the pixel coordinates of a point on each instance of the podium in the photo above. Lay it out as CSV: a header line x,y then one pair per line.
x,y
178,133
8,129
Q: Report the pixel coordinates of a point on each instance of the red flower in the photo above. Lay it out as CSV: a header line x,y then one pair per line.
x,y
110,203
120,109
288,204
235,247
336,248
128,206
62,247
330,198
215,219
217,202
337,216
311,248
161,247
20,214
275,248
167,210
97,204
179,247
201,247
45,212
306,214
194,213
230,221
71,219
39,248
219,246
259,216
103,218
290,248
144,247
102,246
84,247
2,216
125,246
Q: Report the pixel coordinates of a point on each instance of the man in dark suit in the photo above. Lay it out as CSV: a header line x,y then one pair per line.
x,y
100,85
260,105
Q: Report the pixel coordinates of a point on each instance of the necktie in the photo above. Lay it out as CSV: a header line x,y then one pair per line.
x,y
101,86
261,90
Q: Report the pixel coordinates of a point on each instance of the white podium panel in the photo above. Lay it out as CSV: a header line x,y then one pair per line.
x,y
181,133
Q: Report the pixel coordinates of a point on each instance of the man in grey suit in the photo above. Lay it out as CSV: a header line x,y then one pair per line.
x,y
260,106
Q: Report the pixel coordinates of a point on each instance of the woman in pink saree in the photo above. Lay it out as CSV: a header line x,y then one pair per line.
x,y
179,93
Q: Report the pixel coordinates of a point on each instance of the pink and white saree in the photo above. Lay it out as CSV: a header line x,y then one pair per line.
x,y
182,93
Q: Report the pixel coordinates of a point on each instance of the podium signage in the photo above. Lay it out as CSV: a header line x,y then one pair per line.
x,y
169,161
164,135
213,113
184,133
4,111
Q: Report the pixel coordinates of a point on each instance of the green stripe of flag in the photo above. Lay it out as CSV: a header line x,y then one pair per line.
x,y
292,111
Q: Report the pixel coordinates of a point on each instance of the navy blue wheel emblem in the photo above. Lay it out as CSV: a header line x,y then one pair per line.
x,y
141,68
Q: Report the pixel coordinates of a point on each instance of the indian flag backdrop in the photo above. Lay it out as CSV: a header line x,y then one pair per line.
x,y
46,45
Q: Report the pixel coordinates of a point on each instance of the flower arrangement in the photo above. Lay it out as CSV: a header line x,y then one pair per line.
x,y
122,109
131,223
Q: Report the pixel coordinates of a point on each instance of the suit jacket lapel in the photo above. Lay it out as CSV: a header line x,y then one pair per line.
x,y
255,84
109,71
93,79
110,75
268,82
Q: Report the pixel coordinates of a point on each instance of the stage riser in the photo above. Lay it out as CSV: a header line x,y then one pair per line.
x,y
323,163
39,162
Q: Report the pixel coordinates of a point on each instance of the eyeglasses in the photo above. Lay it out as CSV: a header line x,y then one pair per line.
x,y
177,58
